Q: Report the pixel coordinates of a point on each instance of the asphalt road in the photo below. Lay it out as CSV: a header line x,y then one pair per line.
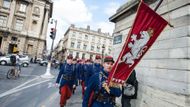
x,y
30,90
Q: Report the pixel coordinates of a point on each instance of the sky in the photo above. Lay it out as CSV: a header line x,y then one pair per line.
x,y
81,13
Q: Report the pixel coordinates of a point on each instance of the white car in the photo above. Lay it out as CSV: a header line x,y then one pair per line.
x,y
24,60
43,62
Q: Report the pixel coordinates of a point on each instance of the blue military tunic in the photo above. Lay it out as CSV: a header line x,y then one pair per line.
x,y
95,68
87,71
77,71
67,75
90,70
81,72
95,85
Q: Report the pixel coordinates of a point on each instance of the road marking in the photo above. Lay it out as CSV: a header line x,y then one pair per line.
x,y
24,75
20,89
25,83
50,84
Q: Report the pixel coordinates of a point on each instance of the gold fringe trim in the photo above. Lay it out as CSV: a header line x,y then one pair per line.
x,y
115,85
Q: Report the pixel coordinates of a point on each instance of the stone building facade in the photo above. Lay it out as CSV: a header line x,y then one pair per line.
x,y
84,43
163,73
23,24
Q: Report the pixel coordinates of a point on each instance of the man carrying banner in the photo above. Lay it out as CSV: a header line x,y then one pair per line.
x,y
97,85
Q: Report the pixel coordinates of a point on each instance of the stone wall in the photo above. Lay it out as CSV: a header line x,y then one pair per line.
x,y
164,72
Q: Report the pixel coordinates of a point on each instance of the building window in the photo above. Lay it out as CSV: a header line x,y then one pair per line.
x,y
6,3
93,38
37,10
78,45
91,56
99,39
80,35
70,52
109,51
77,55
110,42
3,21
22,7
14,39
92,48
117,39
104,40
74,34
86,36
85,46
19,24
83,56
98,48
72,44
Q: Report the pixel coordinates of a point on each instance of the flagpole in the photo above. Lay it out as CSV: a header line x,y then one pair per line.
x,y
159,3
156,8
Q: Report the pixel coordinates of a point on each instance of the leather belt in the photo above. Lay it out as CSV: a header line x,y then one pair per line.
x,y
67,77
104,99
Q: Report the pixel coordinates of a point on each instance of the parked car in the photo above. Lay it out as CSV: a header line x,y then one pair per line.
x,y
38,60
24,60
55,63
43,62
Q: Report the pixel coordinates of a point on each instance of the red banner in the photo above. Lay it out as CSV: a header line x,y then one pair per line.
x,y
145,30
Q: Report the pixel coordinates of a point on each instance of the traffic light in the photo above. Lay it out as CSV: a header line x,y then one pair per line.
x,y
52,33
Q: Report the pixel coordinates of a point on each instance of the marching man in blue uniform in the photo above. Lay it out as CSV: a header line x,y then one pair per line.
x,y
67,80
87,67
102,97
91,69
96,66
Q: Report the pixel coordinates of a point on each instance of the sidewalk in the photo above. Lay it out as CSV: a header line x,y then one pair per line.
x,y
76,98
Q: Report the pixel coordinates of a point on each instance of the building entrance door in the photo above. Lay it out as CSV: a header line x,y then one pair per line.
x,y
1,41
29,49
12,47
1,52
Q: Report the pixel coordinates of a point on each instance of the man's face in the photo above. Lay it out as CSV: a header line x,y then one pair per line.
x,y
98,61
88,63
108,66
69,61
74,62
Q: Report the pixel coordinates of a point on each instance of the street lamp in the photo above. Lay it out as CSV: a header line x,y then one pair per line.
x,y
53,35
103,49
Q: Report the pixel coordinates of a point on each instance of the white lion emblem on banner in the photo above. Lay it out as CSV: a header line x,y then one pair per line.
x,y
137,46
